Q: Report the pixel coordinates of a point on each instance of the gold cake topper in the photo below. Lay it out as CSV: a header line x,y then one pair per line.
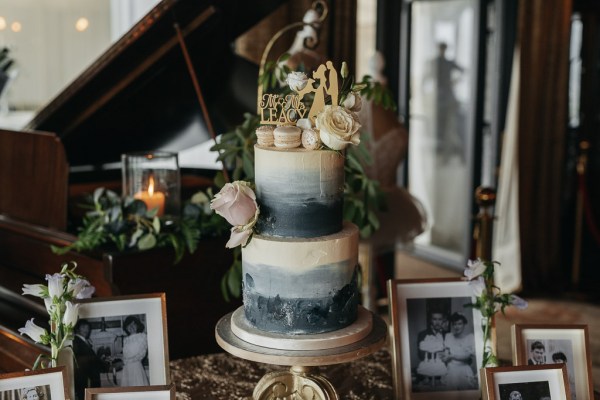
x,y
277,109
286,109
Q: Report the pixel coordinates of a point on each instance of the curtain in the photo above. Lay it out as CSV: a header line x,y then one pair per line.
x,y
506,237
544,49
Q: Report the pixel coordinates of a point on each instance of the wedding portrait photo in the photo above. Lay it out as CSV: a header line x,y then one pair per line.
x,y
27,393
553,351
543,344
443,353
111,352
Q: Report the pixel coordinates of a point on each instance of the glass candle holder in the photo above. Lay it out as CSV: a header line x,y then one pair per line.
x,y
154,178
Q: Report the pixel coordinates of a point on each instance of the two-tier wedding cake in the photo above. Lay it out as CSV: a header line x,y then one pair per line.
x,y
299,258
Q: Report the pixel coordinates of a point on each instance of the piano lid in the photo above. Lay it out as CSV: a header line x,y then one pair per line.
x,y
139,95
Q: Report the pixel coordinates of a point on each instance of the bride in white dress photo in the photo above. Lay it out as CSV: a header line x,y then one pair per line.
x,y
135,348
459,355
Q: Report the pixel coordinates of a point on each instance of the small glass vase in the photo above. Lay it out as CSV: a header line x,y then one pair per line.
x,y
154,178
66,359
490,358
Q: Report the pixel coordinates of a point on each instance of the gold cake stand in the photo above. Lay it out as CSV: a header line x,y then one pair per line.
x,y
301,381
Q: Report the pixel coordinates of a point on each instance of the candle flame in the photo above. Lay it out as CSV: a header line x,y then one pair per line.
x,y
151,186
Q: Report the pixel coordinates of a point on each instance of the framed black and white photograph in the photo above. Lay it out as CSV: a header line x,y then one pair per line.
x,y
121,342
437,340
159,392
525,382
535,344
46,384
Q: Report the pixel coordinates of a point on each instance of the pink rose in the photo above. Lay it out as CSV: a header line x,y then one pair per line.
x,y
236,202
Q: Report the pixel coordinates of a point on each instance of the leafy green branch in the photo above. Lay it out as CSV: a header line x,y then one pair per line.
x,y
274,73
236,150
363,197
126,224
380,94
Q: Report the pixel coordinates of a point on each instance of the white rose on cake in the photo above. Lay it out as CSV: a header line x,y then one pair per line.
x,y
297,80
236,202
338,127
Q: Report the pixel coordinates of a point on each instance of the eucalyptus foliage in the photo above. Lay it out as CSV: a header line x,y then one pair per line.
x,y
126,224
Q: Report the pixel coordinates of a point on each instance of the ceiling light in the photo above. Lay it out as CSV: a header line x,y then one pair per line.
x,y
82,24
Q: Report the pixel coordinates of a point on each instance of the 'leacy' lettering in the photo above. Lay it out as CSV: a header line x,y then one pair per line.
x,y
282,110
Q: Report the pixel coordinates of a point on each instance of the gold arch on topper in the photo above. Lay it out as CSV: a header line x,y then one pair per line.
x,y
277,109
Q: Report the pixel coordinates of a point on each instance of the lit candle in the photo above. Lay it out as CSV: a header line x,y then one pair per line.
x,y
153,200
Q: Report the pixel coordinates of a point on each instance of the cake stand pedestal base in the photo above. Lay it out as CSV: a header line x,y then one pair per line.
x,y
301,381
297,383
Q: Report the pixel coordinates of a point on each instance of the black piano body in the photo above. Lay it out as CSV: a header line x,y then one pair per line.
x,y
137,96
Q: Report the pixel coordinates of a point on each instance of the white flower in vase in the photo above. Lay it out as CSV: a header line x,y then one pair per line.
x,y
35,332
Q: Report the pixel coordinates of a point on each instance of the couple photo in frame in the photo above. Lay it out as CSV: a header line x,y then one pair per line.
x,y
120,342
437,342
437,347
551,344
45,384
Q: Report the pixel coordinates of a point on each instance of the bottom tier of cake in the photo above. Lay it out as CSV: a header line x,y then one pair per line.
x,y
301,286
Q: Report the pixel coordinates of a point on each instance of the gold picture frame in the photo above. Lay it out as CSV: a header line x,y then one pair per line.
x,y
568,344
157,392
47,383
125,343
416,307
524,382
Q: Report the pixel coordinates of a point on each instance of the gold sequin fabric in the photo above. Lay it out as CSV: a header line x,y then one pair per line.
x,y
225,377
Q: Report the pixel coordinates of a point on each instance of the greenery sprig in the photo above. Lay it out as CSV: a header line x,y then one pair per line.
x,y
274,73
126,224
489,299
363,196
379,93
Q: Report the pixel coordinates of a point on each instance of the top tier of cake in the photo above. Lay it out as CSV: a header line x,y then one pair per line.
x,y
300,191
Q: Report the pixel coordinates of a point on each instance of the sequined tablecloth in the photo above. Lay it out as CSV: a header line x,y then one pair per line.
x,y
226,377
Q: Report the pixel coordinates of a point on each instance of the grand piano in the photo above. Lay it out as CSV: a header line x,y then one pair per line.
x,y
137,96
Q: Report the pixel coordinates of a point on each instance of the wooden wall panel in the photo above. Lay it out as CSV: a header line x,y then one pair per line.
x,y
33,178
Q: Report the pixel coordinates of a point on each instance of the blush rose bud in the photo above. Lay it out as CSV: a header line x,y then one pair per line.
x,y
344,70
236,202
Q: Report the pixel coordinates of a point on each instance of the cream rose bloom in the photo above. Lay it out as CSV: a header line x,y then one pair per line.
x,y
297,80
338,127
236,202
